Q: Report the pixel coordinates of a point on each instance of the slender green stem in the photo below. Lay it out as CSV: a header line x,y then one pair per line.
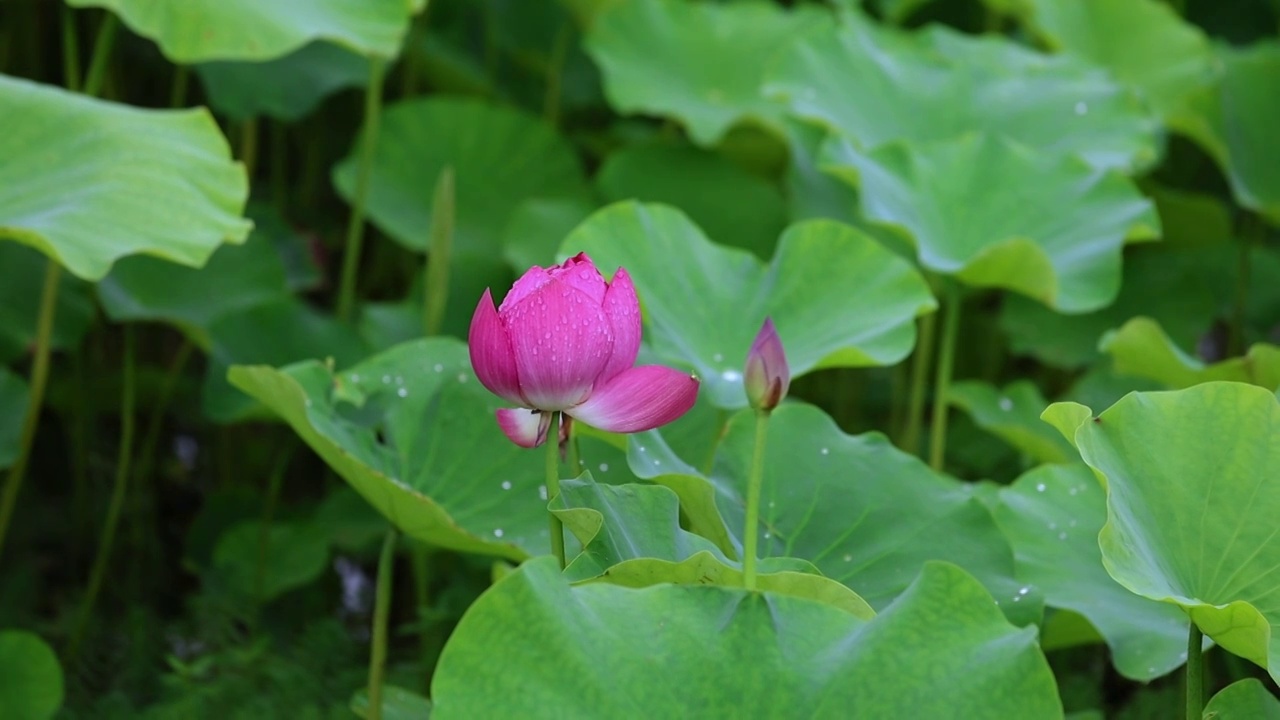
x,y
920,363
751,531
249,145
123,461
364,170
274,483
439,249
942,386
39,377
381,619
709,461
555,72
575,457
101,52
1195,672
279,176
178,91
553,487
70,50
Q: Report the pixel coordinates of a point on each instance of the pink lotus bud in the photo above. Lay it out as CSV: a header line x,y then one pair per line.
x,y
767,375
566,340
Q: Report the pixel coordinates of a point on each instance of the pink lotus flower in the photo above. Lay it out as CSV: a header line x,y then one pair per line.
x,y
767,376
566,340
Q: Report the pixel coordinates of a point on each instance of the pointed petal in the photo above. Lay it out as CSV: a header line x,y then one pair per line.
x,y
622,307
641,398
524,427
767,376
492,358
580,273
561,342
532,280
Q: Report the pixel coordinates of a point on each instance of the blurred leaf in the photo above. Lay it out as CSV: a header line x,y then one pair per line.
x,y
995,214
22,271
201,30
701,63
538,226
350,522
1191,220
1052,516
287,88
876,86
500,158
397,704
1190,506
1013,414
732,207
413,432
1141,348
87,182
295,554
1246,699
807,283
14,399
31,685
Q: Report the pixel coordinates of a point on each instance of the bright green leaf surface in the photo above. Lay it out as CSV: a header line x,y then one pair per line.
x,y
31,683
445,473
722,653
22,271
1052,516
88,182
500,157
703,310
875,86
701,63
14,398
289,555
1013,414
200,30
287,88
1141,348
863,512
1191,505
1246,699
731,206
995,214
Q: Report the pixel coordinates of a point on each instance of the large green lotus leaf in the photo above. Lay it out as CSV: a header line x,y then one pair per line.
x,y
31,684
1166,286
413,432
1052,516
1013,414
877,86
1142,42
700,63
995,214
1191,505
718,652
294,554
1234,121
704,303
1246,699
286,88
87,181
537,226
1142,348
201,30
732,206
859,509
14,398
397,704
22,271
500,157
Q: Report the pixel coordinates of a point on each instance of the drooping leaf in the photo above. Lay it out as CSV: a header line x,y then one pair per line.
x,y
1013,414
1246,699
31,684
726,653
87,181
200,30
500,157
1141,348
14,398
1052,516
995,214
287,88
22,272
413,432
703,310
266,563
700,63
1190,504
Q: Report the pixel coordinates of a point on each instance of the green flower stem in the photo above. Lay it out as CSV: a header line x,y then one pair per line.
x,y
70,50
1195,672
39,377
178,91
920,362
101,51
942,386
717,434
575,457
249,146
439,250
381,619
555,71
751,530
553,486
355,229
124,457
279,173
